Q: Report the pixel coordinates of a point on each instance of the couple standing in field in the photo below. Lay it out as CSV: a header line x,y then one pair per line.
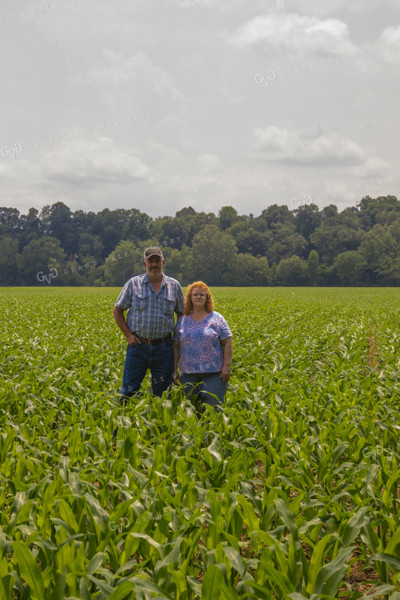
x,y
196,352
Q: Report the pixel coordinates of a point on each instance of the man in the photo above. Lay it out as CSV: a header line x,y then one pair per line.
x,y
152,299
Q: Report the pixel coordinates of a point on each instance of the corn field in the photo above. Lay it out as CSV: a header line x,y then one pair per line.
x,y
291,492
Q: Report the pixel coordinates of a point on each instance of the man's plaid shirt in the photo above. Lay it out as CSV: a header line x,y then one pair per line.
x,y
151,316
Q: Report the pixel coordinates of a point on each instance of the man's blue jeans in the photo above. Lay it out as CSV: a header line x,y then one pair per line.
x,y
140,357
203,387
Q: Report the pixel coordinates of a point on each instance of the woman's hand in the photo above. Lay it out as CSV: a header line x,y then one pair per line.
x,y
225,374
176,379
227,352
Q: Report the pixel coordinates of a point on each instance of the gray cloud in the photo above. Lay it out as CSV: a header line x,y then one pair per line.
x,y
389,44
296,148
96,162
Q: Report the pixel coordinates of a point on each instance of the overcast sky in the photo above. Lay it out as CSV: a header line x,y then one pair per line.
x,y
161,104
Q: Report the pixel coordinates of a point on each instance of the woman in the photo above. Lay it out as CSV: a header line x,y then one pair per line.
x,y
203,344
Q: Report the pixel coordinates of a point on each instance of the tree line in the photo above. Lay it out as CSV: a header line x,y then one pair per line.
x,y
358,246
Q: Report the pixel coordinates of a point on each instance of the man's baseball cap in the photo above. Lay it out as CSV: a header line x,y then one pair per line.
x,y
152,251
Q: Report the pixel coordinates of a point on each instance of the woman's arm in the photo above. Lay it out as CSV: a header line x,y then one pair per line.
x,y
177,355
226,367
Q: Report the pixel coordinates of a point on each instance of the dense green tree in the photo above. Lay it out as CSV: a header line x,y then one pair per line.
x,y
379,248
75,272
200,220
9,221
252,241
327,275
324,241
312,266
188,220
136,227
30,227
178,264
292,271
285,242
213,252
350,267
381,210
247,270
83,221
348,239
57,222
350,217
376,243
394,232
179,231
174,233
332,239
319,241
306,219
389,271
329,214
275,214
186,212
125,261
227,216
87,243
43,261
110,226
9,260
90,244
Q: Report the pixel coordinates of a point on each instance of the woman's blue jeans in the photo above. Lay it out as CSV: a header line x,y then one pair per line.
x,y
204,388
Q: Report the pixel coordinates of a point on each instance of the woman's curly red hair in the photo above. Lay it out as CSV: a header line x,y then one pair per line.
x,y
209,305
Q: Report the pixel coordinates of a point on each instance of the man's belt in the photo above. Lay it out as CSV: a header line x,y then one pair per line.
x,y
155,341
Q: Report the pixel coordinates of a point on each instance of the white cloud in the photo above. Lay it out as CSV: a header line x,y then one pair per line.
x,y
93,162
292,147
388,45
373,167
295,33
